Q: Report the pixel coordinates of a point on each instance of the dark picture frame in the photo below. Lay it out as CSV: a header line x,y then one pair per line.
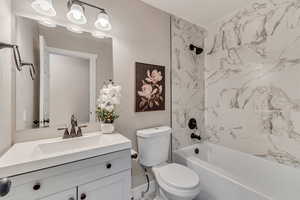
x,y
150,87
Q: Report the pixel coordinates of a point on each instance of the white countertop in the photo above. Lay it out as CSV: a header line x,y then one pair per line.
x,y
28,156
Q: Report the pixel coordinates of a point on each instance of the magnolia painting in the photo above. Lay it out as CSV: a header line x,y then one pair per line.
x,y
150,88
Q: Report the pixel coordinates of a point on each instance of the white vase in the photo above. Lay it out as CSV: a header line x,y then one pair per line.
x,y
107,127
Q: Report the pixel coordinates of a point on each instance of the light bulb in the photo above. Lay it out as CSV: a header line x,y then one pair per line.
x,y
103,22
76,14
44,7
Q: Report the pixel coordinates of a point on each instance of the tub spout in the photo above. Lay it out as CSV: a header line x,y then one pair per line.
x,y
194,136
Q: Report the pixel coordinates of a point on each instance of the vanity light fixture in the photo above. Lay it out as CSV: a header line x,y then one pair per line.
x,y
103,22
48,23
76,13
75,29
44,7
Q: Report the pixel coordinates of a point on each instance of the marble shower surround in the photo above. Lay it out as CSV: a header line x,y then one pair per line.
x,y
187,80
252,81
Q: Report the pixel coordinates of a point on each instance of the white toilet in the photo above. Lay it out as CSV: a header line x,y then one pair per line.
x,y
176,182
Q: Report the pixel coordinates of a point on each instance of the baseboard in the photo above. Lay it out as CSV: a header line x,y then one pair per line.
x,y
136,193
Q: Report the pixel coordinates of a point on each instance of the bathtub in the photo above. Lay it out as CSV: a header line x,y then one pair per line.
x,y
226,174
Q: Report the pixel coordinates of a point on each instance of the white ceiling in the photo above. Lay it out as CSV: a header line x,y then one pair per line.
x,y
201,12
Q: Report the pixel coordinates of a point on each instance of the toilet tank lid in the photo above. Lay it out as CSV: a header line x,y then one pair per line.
x,y
154,132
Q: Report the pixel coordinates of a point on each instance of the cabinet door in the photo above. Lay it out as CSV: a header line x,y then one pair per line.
x,y
116,187
66,195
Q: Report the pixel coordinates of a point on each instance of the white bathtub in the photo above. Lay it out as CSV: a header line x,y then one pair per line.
x,y
226,174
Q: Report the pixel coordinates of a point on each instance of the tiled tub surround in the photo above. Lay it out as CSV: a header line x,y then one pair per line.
x,y
252,81
187,80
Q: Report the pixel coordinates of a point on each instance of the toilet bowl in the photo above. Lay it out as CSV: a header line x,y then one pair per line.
x,y
176,182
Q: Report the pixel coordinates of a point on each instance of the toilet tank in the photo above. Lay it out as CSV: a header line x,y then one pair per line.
x,y
154,145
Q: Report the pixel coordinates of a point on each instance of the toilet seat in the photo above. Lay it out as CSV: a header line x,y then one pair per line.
x,y
177,179
178,176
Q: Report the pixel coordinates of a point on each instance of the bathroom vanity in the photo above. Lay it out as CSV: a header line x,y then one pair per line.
x,y
89,167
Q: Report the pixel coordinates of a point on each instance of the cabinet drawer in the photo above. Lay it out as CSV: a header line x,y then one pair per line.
x,y
49,181
65,195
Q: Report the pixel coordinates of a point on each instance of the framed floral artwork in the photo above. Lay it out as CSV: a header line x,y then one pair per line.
x,y
150,87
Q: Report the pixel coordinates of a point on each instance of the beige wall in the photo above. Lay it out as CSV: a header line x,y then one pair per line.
x,y
5,76
27,90
141,33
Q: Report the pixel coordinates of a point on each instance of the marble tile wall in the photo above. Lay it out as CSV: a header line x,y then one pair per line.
x,y
187,80
252,81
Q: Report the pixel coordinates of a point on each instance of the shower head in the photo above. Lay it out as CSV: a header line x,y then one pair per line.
x,y
198,51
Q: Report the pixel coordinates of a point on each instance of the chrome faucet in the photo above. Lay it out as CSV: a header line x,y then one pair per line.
x,y
76,131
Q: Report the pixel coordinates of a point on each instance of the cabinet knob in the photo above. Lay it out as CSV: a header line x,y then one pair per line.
x,y
72,198
5,185
37,186
83,196
108,166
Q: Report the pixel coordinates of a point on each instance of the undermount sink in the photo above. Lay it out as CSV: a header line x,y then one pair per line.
x,y
70,145
40,154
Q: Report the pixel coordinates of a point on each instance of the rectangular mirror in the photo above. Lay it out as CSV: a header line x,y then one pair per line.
x,y
70,69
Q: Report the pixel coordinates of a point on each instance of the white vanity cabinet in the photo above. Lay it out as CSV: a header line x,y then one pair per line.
x,y
66,195
106,177
110,188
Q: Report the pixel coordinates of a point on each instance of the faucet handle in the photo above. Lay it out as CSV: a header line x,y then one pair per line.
x,y
79,131
195,136
61,129
66,133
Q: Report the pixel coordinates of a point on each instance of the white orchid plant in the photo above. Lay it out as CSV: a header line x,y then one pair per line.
x,y
109,97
